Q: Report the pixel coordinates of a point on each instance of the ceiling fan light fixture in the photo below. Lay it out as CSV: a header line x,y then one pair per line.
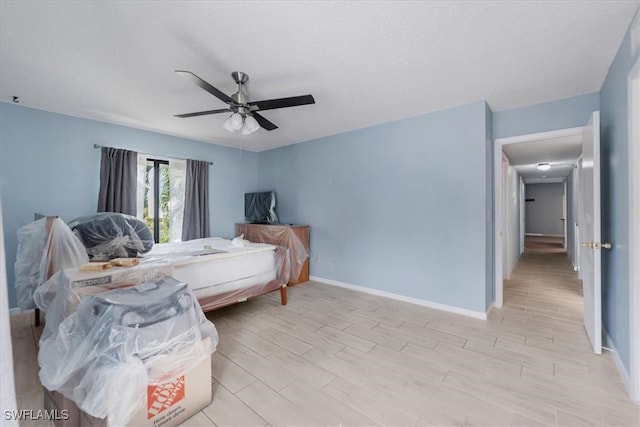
x,y
233,123
250,125
544,166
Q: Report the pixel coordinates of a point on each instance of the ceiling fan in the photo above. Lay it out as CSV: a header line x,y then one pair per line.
x,y
245,117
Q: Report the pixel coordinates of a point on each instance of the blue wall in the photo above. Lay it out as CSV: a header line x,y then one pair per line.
x,y
399,207
554,115
615,199
48,165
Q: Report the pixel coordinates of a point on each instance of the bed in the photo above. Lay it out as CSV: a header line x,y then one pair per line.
x,y
220,272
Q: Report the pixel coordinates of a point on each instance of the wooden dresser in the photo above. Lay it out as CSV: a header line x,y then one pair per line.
x,y
282,235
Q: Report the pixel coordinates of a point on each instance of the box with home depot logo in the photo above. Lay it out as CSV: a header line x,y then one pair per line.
x,y
170,402
161,397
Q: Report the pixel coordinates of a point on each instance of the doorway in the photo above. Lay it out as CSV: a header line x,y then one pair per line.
x,y
587,144
543,280
564,146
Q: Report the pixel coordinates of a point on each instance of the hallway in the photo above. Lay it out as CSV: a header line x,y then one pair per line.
x,y
544,297
543,282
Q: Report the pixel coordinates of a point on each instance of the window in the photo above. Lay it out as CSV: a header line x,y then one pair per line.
x,y
156,199
160,195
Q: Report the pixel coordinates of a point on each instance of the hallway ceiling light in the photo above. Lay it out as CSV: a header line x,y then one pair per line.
x,y
544,166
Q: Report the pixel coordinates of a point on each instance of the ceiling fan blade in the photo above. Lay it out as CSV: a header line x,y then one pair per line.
x,y
202,113
293,101
264,123
206,86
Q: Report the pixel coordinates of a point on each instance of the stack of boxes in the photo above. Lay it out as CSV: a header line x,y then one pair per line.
x,y
119,327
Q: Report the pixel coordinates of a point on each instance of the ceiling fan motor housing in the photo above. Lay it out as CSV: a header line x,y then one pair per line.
x,y
240,98
240,77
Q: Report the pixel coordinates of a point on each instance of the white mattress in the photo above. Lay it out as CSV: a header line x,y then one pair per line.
x,y
237,268
241,264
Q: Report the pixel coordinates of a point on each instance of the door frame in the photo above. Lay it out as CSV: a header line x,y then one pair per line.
x,y
576,206
523,216
498,147
634,229
506,163
565,206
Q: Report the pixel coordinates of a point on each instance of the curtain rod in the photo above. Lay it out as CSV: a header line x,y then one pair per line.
x,y
177,158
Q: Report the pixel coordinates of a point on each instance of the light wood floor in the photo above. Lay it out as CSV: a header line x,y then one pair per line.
x,y
546,244
338,358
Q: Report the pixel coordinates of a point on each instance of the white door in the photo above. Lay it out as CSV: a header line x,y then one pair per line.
x,y
591,247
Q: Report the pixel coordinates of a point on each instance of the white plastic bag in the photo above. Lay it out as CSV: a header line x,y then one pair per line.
x,y
45,246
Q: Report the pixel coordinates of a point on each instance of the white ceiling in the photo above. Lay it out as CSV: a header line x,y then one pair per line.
x,y
365,62
561,153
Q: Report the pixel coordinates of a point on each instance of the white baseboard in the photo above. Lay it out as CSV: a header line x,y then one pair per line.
x,y
624,374
13,311
425,303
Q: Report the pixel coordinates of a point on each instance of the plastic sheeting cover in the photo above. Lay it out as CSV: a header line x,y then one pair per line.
x,y
45,246
119,341
110,235
60,296
285,236
222,272
219,271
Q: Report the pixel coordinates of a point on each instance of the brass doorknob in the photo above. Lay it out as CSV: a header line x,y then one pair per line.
x,y
597,245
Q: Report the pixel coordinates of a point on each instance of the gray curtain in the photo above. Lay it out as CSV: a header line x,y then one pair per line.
x,y
196,201
118,177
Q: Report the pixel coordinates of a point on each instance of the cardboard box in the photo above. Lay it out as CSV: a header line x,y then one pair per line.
x,y
81,284
171,402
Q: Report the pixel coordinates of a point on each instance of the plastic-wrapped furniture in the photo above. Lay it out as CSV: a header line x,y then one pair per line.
x,y
109,235
45,246
293,237
118,343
